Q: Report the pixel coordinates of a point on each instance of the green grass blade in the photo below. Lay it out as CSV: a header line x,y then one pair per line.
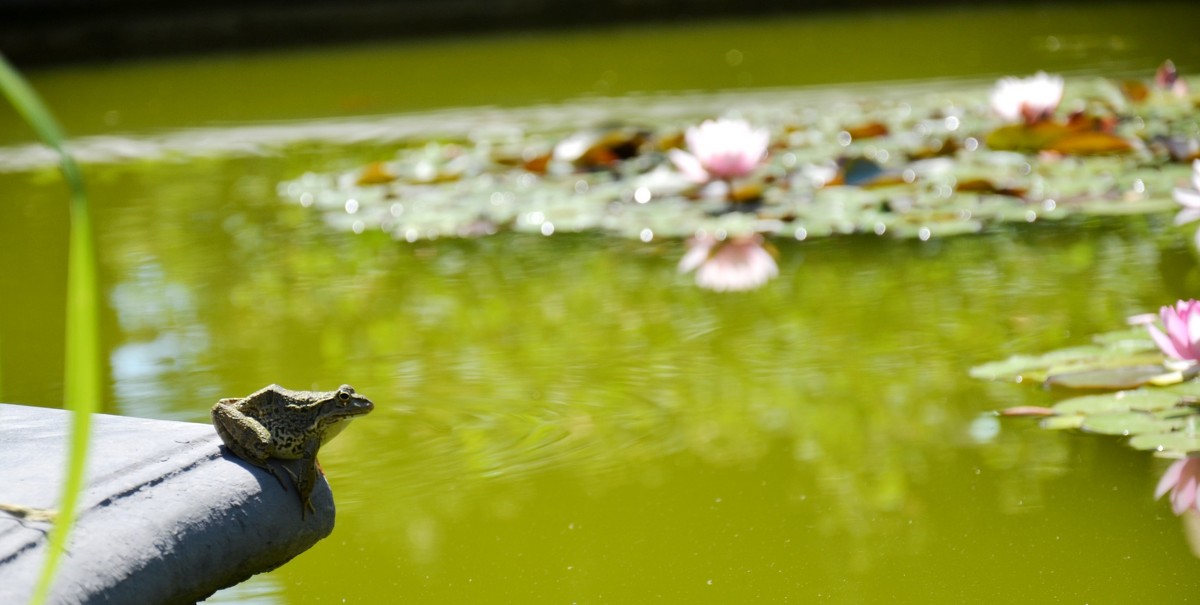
x,y
82,381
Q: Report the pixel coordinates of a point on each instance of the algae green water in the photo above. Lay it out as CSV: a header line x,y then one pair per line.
x,y
566,419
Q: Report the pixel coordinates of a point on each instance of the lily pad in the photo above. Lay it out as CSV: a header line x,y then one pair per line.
x,y
1143,400
890,163
1157,407
1179,443
1130,423
1123,377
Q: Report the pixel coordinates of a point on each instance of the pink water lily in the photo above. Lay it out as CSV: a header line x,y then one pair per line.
x,y
721,149
1182,337
735,264
1167,78
1181,479
1032,99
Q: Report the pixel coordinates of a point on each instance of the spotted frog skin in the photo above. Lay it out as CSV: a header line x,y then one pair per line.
x,y
275,422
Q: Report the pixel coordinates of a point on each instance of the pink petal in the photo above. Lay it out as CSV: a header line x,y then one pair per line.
x,y
1185,493
1193,334
689,165
1176,328
1169,478
1164,342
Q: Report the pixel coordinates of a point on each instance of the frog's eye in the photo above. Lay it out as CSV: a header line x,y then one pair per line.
x,y
343,396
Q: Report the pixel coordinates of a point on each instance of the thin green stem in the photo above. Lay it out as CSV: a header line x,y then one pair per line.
x,y
82,381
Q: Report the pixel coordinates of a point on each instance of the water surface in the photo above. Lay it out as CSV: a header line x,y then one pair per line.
x,y
567,419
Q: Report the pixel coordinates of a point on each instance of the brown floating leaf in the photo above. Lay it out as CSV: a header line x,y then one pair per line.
x,y
745,192
612,146
375,173
537,164
1090,143
1135,90
986,186
868,130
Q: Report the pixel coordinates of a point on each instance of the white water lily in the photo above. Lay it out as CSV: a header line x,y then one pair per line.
x,y
1031,99
721,149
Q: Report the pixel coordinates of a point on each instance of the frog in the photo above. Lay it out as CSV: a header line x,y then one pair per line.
x,y
274,422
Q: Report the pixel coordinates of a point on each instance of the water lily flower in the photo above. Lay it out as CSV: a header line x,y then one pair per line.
x,y
1032,99
1167,78
1182,337
1190,200
721,149
1181,479
735,264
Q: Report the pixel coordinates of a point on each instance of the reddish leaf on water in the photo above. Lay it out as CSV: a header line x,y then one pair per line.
x,y
538,163
601,149
1081,121
1027,410
612,146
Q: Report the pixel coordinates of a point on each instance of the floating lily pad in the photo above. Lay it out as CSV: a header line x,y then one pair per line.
x,y
1180,442
1159,408
907,163
1142,400
1123,377
1130,423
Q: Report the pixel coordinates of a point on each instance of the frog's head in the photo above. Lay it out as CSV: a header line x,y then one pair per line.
x,y
336,411
345,403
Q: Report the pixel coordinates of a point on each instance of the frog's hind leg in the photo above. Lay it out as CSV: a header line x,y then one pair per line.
x,y
245,437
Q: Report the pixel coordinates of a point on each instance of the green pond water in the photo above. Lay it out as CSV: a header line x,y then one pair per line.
x,y
566,419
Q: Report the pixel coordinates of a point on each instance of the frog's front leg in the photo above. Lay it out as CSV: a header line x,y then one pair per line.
x,y
244,436
307,480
